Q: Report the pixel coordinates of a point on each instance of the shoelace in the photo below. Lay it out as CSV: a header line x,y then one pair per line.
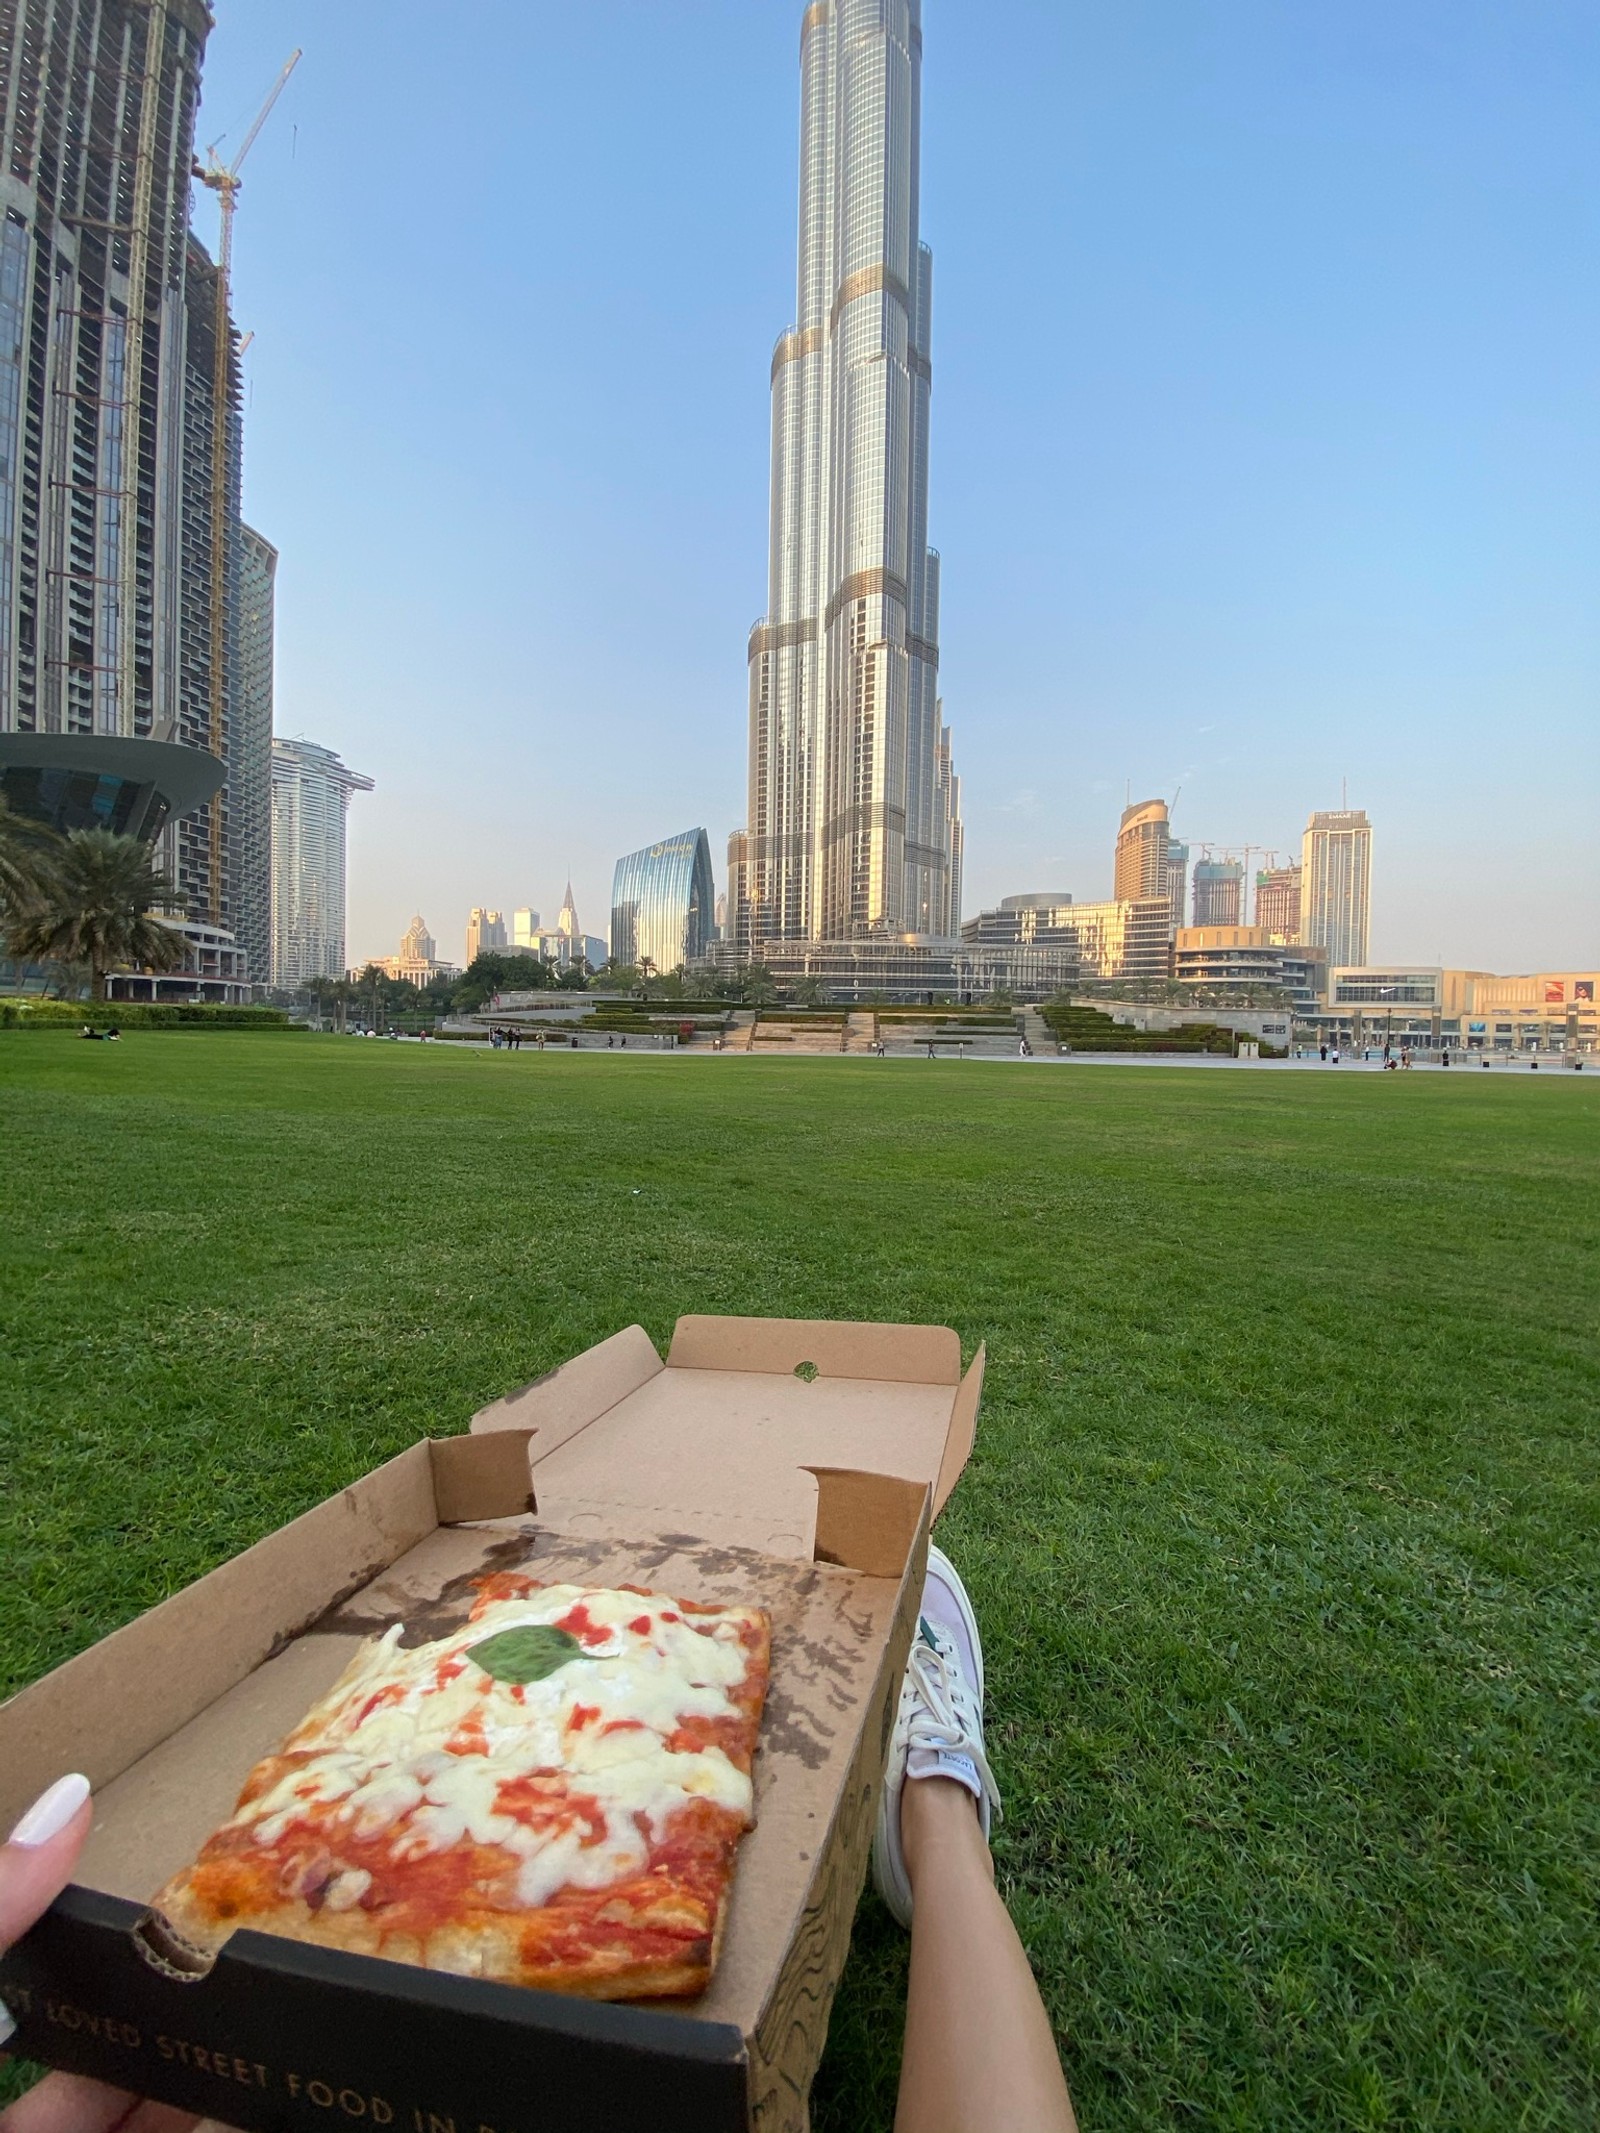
x,y
935,1722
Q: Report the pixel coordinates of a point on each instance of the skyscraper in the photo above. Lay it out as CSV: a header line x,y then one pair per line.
x,y
1177,881
1219,892
250,771
311,791
204,847
120,543
567,917
1143,839
97,104
853,826
1278,902
1336,884
486,933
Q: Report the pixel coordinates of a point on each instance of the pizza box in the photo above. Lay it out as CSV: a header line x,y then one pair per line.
x,y
794,1463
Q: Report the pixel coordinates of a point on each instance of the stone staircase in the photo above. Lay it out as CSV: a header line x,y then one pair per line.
x,y
775,1033
860,1033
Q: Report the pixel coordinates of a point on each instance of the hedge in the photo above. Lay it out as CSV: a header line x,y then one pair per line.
x,y
134,1014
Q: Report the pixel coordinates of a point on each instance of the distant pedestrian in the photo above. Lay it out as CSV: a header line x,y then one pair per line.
x,y
1336,1057
1322,1052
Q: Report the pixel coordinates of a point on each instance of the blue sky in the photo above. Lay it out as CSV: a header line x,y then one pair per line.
x,y
1265,453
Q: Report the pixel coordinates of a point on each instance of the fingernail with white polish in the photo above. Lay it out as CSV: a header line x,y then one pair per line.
x,y
52,1811
8,2026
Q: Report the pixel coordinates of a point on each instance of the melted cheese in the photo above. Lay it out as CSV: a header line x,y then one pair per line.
x,y
418,1744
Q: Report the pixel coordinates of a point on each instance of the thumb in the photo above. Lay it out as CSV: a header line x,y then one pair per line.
x,y
36,1862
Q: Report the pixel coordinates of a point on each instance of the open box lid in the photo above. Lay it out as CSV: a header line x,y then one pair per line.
x,y
764,1433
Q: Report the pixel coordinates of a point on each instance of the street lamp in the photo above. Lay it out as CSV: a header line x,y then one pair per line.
x,y
1387,992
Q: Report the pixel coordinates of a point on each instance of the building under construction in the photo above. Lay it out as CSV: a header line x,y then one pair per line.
x,y
119,451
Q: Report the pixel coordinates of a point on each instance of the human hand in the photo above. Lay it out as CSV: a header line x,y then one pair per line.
x,y
35,1866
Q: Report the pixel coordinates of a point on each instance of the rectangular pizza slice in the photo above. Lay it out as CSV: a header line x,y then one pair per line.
x,y
553,1795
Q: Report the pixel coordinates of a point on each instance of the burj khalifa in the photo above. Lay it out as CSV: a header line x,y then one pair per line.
x,y
854,825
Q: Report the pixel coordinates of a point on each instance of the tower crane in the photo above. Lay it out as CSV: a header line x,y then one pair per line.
x,y
223,179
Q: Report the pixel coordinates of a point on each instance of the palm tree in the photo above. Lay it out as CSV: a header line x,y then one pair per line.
x,y
27,854
94,907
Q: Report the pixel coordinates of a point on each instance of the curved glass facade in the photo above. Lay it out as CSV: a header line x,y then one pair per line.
x,y
662,903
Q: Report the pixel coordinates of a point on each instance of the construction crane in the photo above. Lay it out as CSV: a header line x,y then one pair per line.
x,y
223,180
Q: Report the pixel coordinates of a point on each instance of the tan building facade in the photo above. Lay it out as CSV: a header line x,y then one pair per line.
x,y
1336,884
1249,956
417,962
486,933
1143,838
1466,1010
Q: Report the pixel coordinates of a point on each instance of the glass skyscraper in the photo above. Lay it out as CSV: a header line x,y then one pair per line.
x,y
853,826
662,903
311,791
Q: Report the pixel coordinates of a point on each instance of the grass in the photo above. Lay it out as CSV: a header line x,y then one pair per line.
x,y
1282,1522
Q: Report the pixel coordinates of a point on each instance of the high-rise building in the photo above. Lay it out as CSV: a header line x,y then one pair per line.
x,y
97,103
311,791
102,306
853,807
955,836
1178,882
486,934
1219,892
204,848
250,771
121,552
662,901
524,927
1143,839
1336,884
1278,902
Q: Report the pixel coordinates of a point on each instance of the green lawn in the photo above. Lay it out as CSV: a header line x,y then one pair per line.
x,y
1283,1522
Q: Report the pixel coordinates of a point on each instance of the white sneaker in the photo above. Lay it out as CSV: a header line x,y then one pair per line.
x,y
938,1731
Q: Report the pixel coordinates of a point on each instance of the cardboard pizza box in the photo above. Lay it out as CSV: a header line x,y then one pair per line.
x,y
796,1464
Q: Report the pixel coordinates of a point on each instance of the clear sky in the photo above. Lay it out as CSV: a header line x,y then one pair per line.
x,y
1266,441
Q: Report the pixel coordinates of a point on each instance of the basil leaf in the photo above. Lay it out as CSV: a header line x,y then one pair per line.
x,y
527,1654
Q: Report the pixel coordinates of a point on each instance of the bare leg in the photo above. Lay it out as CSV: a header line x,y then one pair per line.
x,y
979,2053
